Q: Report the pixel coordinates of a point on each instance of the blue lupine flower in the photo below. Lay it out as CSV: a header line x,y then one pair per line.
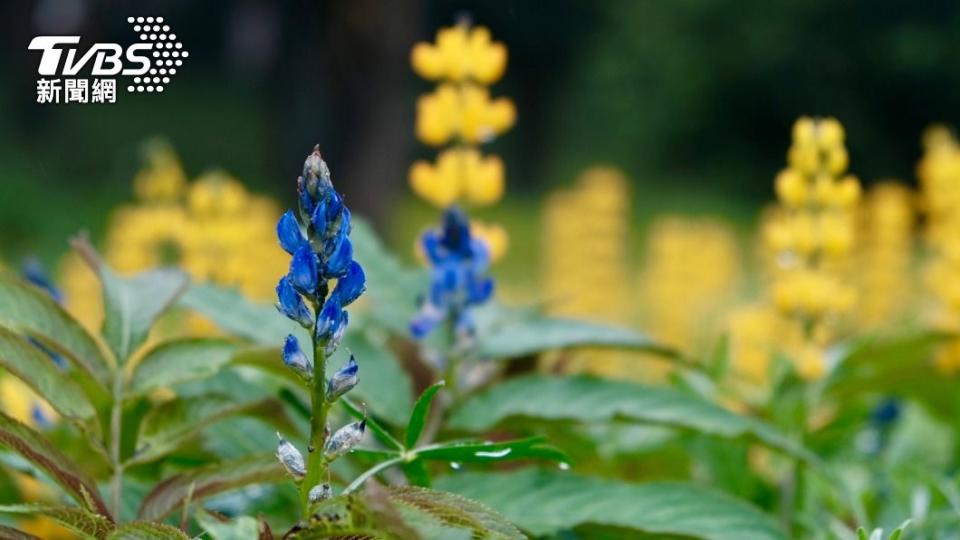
x,y
295,358
343,380
291,303
317,237
458,277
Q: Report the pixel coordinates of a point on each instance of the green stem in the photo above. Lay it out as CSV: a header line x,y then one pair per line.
x,y
116,423
316,465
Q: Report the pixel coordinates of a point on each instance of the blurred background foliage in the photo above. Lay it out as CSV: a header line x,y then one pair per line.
x,y
693,100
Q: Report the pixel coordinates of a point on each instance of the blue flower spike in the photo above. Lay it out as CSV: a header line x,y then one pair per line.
x,y
322,280
458,282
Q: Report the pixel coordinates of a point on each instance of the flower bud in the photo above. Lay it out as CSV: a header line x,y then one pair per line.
x,y
303,270
291,458
331,324
343,380
351,285
344,440
319,492
296,359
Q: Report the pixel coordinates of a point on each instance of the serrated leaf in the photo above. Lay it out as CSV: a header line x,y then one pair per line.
x,y
480,452
229,310
37,370
239,528
593,400
28,310
174,422
39,451
208,481
418,417
131,305
392,288
453,511
544,502
146,530
75,518
535,333
181,360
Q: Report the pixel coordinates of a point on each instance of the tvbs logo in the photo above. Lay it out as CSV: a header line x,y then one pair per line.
x,y
88,76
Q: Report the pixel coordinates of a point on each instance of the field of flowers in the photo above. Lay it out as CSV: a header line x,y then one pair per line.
x,y
215,365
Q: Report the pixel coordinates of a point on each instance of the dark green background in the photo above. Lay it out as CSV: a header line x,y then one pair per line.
x,y
694,99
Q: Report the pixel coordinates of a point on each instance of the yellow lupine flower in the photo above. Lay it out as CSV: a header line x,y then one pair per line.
x,y
493,235
466,112
460,173
886,231
460,52
163,179
213,228
753,333
812,237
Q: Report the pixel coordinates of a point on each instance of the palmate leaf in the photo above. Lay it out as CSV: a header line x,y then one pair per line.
x,y
591,400
28,310
208,481
532,333
131,304
83,522
426,508
179,361
174,422
40,452
29,364
418,417
146,530
544,502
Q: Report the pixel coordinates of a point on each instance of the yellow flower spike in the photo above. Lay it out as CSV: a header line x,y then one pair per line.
x,y
753,334
482,118
484,183
460,53
836,234
838,160
494,236
438,115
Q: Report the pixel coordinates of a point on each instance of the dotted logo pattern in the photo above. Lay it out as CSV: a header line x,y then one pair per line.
x,y
168,54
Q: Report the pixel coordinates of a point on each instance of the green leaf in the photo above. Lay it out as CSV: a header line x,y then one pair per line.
x,y
229,310
531,334
38,371
39,451
482,452
208,481
179,361
75,518
379,431
28,310
544,502
146,530
173,423
240,528
392,288
453,511
384,386
418,417
592,400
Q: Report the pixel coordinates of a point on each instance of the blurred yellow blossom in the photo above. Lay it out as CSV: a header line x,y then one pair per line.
x,y
753,332
460,52
689,273
884,252
493,235
459,173
213,228
939,174
465,112
811,237
585,231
